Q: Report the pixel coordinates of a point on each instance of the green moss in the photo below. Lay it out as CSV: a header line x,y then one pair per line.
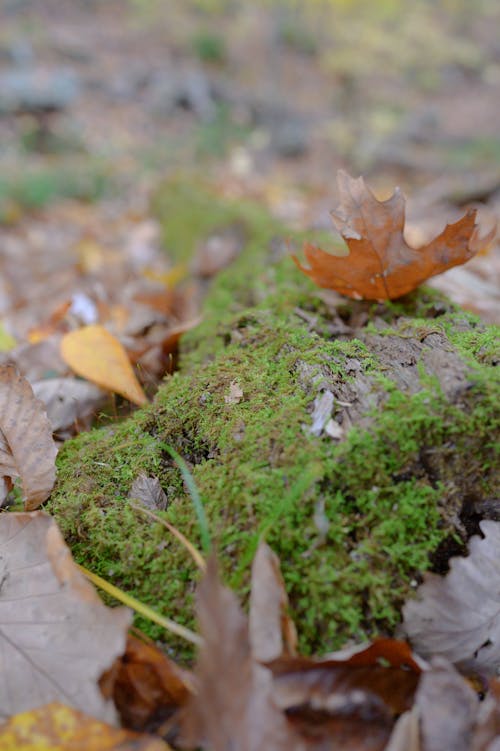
x,y
353,522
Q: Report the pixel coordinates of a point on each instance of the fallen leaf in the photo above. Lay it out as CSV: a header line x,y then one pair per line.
x,y
458,616
272,631
381,265
7,341
322,412
51,326
351,700
27,449
487,730
58,635
56,727
406,733
149,492
35,361
219,250
149,688
232,706
447,707
95,354
68,402
235,394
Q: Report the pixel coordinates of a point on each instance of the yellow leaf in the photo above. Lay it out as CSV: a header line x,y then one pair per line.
x,y
55,727
7,342
95,354
168,278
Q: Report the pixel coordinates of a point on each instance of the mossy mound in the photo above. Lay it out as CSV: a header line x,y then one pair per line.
x,y
355,518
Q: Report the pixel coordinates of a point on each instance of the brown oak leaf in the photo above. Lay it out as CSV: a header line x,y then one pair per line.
x,y
381,265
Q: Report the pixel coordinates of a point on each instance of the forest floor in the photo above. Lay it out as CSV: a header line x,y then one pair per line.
x,y
265,104
157,161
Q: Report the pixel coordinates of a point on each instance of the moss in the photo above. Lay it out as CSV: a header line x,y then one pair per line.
x,y
354,522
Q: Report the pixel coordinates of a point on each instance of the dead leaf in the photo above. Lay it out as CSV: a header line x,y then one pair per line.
x,y
149,688
235,394
352,701
149,492
322,412
58,635
381,265
406,733
447,708
34,361
55,727
7,341
272,631
487,730
232,706
27,449
95,354
219,250
458,616
69,402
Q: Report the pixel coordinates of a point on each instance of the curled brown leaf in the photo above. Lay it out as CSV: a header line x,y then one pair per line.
x,y
381,265
27,449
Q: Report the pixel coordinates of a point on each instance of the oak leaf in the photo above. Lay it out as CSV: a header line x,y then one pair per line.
x,y
381,265
27,449
458,616
95,354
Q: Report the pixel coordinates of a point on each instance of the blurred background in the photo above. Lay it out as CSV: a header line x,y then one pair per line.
x,y
101,100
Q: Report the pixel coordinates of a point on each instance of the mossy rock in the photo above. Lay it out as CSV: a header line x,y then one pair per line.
x,y
393,484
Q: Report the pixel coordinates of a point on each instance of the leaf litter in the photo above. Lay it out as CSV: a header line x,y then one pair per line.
x,y
249,688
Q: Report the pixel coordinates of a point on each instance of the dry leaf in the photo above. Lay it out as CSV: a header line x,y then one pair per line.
x,y
219,250
352,701
58,635
55,727
487,730
272,631
95,354
406,733
458,616
381,265
149,688
69,402
235,394
27,449
447,707
232,707
149,492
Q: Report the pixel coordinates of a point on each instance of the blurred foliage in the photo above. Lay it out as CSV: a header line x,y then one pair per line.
x,y
209,47
298,38
214,137
38,187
